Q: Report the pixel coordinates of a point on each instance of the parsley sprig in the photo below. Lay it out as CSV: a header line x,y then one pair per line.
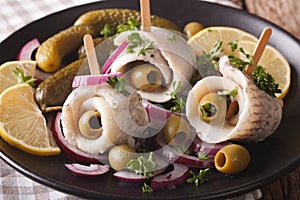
x,y
21,78
131,25
203,155
177,100
146,188
107,31
232,92
265,81
142,165
119,84
199,178
136,41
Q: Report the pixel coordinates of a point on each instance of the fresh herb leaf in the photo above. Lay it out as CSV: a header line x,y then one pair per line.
x,y
233,45
239,63
147,189
131,25
183,149
216,51
119,84
232,92
177,100
172,38
265,81
136,41
203,155
21,78
106,31
142,165
199,178
208,110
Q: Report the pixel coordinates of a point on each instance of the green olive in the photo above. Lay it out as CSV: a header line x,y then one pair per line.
x,y
232,159
146,77
176,131
90,124
119,156
213,108
192,28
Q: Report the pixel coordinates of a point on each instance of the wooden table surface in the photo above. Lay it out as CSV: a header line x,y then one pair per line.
x,y
286,14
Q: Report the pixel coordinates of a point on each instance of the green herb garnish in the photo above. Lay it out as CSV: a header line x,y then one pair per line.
x,y
199,178
265,81
177,100
203,155
208,110
239,63
106,31
233,45
21,78
142,165
172,38
147,189
118,83
136,41
131,25
183,149
232,92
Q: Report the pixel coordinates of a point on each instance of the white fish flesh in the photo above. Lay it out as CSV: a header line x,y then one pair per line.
x,y
259,113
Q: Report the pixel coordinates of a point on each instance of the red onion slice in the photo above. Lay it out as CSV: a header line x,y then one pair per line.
x,y
171,179
71,151
158,115
92,79
91,170
26,51
106,67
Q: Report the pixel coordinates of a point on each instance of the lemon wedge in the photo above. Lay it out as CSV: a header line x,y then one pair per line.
x,y
8,79
22,124
274,63
205,39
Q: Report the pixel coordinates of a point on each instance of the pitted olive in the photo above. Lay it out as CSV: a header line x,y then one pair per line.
x,y
119,156
146,77
232,159
176,131
192,28
90,124
213,108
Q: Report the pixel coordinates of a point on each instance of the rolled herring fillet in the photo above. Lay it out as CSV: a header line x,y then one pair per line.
x,y
170,54
258,116
121,117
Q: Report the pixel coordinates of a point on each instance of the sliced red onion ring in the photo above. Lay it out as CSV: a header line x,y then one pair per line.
x,y
173,156
158,115
106,67
171,179
91,170
40,75
71,151
92,79
209,148
26,51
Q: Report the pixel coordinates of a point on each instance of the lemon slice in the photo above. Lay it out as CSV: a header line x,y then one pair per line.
x,y
22,124
7,79
205,39
273,62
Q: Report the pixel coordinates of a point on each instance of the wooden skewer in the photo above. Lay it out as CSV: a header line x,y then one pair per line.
x,y
91,54
259,49
145,14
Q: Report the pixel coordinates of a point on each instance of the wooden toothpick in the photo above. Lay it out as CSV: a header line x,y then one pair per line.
x,y
145,14
259,49
91,54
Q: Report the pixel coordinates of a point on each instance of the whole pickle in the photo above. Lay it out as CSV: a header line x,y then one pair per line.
x,y
51,52
54,90
121,16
